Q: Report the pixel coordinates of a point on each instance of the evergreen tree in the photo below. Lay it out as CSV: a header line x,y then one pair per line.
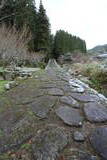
x,y
65,42
7,13
26,16
25,13
21,13
43,29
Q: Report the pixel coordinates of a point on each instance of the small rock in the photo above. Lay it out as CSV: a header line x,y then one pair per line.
x,y
25,77
8,75
36,76
19,78
29,74
79,137
78,90
7,86
13,84
23,74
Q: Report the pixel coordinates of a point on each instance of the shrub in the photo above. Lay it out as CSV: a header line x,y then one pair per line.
x,y
96,73
2,84
86,69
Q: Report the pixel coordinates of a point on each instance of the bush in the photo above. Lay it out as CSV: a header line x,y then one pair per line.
x,y
86,69
96,73
41,65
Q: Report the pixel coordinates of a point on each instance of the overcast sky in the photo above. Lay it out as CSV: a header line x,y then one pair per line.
x,y
84,18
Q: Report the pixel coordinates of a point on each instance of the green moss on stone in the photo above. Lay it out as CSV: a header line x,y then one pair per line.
x,y
26,146
2,83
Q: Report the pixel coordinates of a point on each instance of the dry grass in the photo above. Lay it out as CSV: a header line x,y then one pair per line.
x,y
81,57
13,44
87,69
96,74
14,47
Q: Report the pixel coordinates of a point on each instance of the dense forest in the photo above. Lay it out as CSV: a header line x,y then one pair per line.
x,y
23,13
65,42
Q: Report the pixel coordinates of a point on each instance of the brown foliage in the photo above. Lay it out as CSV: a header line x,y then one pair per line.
x,y
13,44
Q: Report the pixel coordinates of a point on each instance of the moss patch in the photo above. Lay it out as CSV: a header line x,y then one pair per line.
x,y
2,83
4,157
26,146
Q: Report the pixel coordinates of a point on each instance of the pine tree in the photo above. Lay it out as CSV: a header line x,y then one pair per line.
x,y
7,13
25,12
65,42
20,13
27,17
43,29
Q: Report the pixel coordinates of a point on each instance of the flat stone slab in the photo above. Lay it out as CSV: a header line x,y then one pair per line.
x,y
82,97
70,116
95,112
17,137
48,144
70,101
42,105
55,92
98,141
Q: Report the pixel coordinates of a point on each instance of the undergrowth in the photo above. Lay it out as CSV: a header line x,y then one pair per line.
x,y
96,74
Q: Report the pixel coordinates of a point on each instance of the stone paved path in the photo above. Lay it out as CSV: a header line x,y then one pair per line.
x,y
53,116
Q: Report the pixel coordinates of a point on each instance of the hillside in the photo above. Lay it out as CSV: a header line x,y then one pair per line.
x,y
100,49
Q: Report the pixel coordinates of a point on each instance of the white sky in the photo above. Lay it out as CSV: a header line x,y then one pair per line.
x,y
84,18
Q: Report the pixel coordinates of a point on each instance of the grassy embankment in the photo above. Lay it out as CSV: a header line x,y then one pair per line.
x,y
96,74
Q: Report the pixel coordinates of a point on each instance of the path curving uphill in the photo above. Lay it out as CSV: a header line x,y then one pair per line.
x,y
53,116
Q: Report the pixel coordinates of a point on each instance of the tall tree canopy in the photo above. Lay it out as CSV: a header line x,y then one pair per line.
x,y
65,42
43,28
21,13
17,11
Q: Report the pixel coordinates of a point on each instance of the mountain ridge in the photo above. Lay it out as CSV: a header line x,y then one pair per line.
x,y
99,49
